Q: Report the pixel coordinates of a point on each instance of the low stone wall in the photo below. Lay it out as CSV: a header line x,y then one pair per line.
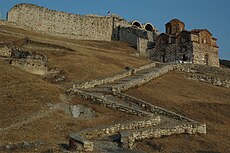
x,y
117,128
147,66
93,83
210,79
212,75
128,138
110,104
79,141
143,79
152,108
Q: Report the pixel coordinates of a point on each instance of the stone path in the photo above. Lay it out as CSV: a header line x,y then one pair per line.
x,y
111,93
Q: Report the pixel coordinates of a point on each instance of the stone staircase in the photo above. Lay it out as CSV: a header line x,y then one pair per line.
x,y
109,93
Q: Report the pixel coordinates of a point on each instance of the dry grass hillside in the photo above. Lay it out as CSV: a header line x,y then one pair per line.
x,y
199,101
25,97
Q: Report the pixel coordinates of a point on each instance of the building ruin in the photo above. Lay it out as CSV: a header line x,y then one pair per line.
x,y
28,61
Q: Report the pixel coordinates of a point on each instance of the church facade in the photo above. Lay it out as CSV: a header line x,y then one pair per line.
x,y
197,46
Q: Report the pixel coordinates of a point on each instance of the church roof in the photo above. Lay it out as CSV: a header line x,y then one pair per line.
x,y
196,31
174,20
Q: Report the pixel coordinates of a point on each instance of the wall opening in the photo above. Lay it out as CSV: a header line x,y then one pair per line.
x,y
206,59
136,24
185,58
149,27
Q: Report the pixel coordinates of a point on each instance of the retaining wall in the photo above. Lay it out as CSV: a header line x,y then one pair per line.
x,y
110,104
117,128
210,79
93,83
154,109
212,75
79,141
128,138
143,79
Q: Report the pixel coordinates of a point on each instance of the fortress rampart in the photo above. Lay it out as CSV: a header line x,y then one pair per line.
x,y
83,27
32,17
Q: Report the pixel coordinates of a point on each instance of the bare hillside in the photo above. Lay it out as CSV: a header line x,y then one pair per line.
x,y
27,100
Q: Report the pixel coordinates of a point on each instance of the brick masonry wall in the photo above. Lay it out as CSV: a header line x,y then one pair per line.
x,y
32,17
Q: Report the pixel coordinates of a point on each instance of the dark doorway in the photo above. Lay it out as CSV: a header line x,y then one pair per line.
x,y
185,58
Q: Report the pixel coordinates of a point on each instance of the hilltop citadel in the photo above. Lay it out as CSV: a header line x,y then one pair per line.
x,y
194,54
176,45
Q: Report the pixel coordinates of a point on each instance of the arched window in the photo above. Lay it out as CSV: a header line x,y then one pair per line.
x,y
149,27
136,24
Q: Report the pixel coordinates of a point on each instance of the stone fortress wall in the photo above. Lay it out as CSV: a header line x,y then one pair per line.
x,y
84,27
32,17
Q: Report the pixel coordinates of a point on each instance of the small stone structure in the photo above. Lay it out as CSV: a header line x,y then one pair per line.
x,y
25,60
177,44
